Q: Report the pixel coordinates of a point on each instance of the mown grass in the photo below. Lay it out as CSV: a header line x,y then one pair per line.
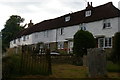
x,y
111,67
70,71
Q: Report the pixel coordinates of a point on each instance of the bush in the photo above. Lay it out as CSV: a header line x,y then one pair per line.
x,y
82,41
116,48
11,65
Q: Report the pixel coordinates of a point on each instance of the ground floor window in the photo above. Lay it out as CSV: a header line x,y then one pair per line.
x,y
60,45
105,42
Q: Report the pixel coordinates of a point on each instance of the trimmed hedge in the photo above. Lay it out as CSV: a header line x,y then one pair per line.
x,y
82,41
116,48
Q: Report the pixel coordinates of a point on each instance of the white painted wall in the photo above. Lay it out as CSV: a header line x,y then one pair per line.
x,y
51,36
68,33
119,24
96,28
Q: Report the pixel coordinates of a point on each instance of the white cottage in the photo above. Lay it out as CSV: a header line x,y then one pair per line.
x,y
102,21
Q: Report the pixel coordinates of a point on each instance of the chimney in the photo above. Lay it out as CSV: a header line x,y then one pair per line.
x,y
89,5
30,24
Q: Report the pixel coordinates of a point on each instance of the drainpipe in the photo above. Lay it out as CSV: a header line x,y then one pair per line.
x,y
56,40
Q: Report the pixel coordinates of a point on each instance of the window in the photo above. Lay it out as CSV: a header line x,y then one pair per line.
x,y
18,39
67,18
48,45
108,42
24,38
45,33
105,42
14,41
36,35
82,27
60,45
88,13
61,31
101,42
106,24
27,36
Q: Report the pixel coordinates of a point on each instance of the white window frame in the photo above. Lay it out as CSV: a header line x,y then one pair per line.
x,y
60,45
67,18
99,41
82,27
105,43
88,13
106,24
61,31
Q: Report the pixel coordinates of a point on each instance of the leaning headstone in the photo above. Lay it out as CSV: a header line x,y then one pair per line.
x,y
96,62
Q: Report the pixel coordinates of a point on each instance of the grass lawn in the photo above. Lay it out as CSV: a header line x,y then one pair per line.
x,y
70,71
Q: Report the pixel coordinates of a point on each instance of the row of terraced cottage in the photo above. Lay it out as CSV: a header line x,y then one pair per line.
x,y
102,21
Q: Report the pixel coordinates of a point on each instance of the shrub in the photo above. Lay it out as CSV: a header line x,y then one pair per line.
x,y
82,41
116,48
11,65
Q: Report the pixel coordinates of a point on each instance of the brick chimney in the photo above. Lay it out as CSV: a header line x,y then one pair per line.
x,y
30,24
89,5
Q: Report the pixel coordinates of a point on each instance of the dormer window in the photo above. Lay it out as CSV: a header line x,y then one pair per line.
x,y
67,18
88,13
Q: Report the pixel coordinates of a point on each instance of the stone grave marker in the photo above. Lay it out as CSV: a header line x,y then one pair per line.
x,y
96,62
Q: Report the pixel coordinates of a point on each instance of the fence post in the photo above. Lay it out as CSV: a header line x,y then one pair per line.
x,y
48,57
21,64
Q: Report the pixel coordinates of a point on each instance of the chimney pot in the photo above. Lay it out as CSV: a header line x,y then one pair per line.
x,y
88,4
91,3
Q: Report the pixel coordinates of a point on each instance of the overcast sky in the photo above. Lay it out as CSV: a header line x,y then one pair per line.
x,y
39,10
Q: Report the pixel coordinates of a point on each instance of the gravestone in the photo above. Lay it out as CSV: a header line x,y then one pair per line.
x,y
96,62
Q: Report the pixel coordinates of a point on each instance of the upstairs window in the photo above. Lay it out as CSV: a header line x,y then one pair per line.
x,y
24,38
27,36
18,39
88,13
61,31
67,18
36,35
45,33
14,41
82,27
106,24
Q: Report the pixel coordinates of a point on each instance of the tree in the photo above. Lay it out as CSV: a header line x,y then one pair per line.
x,y
116,48
11,28
83,40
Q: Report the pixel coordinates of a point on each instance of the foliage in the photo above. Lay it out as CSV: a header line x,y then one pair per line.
x,y
12,27
116,48
82,41
112,67
11,65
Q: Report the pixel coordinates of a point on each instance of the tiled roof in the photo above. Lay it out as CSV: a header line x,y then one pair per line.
x,y
105,11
